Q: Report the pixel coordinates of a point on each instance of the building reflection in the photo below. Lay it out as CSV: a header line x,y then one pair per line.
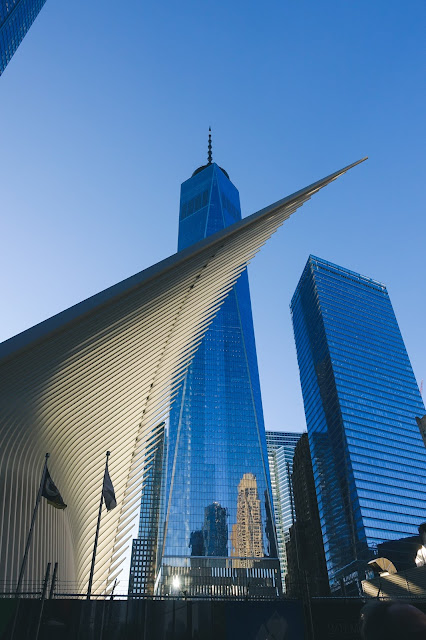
x,y
212,539
215,530
196,543
211,570
270,529
247,539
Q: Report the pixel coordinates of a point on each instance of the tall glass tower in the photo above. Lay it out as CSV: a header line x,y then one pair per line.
x,y
361,400
218,534
16,17
281,446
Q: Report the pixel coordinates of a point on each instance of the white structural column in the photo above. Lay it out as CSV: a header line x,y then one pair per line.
x,y
99,377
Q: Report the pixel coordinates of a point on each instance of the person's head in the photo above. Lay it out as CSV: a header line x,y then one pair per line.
x,y
391,620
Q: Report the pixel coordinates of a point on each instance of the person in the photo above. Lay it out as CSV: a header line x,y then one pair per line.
x,y
392,620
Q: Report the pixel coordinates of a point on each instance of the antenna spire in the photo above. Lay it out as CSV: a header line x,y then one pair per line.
x,y
210,154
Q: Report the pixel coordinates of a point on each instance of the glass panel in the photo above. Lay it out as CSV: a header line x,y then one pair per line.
x,y
361,399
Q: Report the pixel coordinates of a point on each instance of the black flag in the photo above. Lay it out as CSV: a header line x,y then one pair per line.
x,y
108,491
51,493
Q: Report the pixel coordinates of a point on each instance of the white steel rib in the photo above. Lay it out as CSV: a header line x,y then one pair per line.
x,y
100,376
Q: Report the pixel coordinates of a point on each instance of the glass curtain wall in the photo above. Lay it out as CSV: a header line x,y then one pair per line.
x,y
16,17
281,446
218,535
361,399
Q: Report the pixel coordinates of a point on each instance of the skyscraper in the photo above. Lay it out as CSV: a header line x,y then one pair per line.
x,y
361,400
216,478
16,17
144,547
281,445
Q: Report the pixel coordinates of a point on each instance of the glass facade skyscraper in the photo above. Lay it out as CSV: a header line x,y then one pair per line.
x,y
16,17
217,534
144,548
361,400
281,446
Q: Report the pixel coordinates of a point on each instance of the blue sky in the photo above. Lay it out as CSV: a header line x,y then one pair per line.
x,y
105,109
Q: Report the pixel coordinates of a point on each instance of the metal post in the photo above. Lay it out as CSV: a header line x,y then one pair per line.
x,y
27,547
46,580
53,583
95,546
43,598
30,534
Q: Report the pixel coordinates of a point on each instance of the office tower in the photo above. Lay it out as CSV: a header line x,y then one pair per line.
x,y
99,376
306,566
361,400
281,445
216,475
16,17
144,548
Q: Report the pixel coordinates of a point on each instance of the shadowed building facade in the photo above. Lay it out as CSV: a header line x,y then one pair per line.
x,y
361,400
16,17
306,566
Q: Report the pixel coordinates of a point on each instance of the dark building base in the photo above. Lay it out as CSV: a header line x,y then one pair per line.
x,y
153,620
331,619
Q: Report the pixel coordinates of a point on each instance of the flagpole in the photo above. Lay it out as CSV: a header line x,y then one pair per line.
x,y
92,568
30,534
